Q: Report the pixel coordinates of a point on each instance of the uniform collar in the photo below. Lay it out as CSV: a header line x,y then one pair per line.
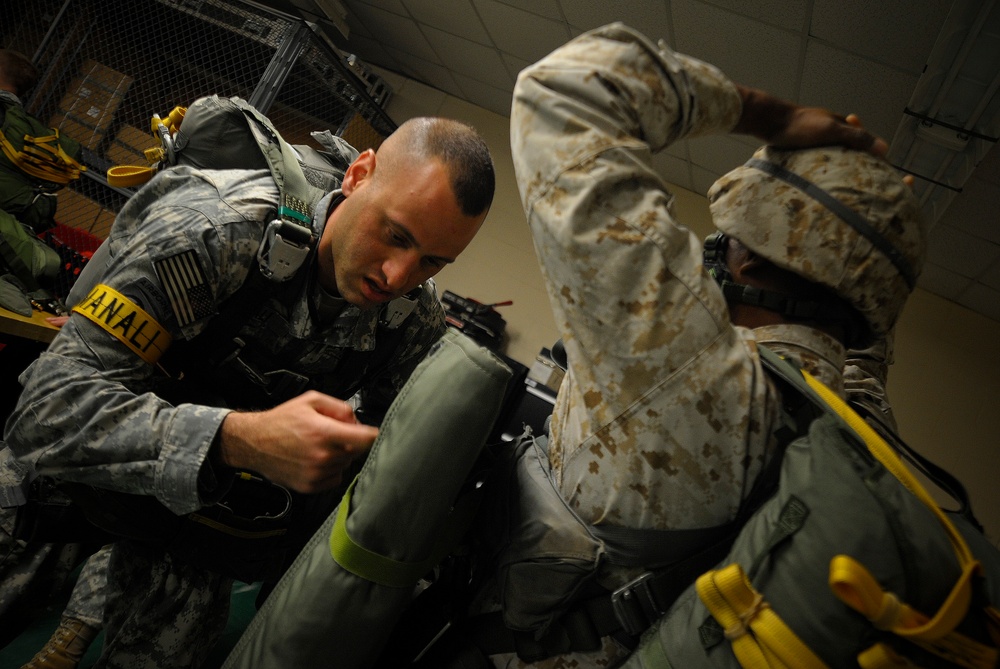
x,y
812,350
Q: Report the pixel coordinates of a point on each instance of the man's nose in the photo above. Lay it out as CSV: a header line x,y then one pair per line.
x,y
398,270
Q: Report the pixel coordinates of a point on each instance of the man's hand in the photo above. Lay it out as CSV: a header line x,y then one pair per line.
x,y
304,444
786,125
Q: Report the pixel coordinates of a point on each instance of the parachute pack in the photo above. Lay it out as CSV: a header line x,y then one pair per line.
x,y
35,162
840,558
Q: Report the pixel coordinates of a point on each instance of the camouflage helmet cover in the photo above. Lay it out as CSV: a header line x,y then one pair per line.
x,y
781,205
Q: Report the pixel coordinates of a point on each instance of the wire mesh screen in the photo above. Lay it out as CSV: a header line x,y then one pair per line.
x,y
108,65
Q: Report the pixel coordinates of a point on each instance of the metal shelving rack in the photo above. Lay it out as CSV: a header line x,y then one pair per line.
x,y
148,56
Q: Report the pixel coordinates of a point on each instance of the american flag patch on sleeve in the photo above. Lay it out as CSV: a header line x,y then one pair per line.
x,y
184,284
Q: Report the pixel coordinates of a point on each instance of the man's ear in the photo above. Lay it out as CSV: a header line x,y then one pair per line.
x,y
360,171
741,260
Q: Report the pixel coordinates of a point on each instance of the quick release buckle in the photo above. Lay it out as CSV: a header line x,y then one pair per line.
x,y
634,605
283,249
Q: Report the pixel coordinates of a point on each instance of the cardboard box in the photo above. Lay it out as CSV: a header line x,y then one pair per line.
x,y
129,145
91,101
78,128
76,211
103,75
102,226
360,134
136,139
119,154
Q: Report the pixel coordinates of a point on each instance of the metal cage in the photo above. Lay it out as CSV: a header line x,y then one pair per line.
x,y
107,66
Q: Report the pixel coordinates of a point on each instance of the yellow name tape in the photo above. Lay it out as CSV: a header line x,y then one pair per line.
x,y
125,321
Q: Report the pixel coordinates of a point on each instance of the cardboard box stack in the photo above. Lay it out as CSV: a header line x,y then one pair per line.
x,y
75,210
87,111
129,145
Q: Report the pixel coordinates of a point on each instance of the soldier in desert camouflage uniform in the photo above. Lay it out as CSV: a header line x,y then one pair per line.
x,y
94,410
665,416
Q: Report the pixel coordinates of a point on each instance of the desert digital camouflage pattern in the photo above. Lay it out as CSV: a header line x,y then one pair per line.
x,y
797,232
665,416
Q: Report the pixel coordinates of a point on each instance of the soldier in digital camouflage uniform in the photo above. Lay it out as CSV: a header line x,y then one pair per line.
x,y
665,415
93,410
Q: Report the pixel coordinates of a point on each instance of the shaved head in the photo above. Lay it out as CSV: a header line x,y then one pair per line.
x,y
457,145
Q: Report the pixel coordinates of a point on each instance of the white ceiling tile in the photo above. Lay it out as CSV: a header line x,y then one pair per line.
x,y
356,26
547,8
702,179
974,211
991,277
394,6
848,84
401,32
718,153
649,17
673,170
414,99
960,252
749,52
982,299
678,150
472,59
488,97
373,52
943,282
514,64
900,33
521,33
988,169
789,14
456,17
431,73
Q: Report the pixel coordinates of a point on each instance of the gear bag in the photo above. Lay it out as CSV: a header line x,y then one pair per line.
x,y
837,558
850,563
35,162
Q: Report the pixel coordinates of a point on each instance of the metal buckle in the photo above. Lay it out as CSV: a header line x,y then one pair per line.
x,y
634,605
280,255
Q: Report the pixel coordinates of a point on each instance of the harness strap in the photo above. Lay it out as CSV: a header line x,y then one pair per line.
x,y
43,158
760,639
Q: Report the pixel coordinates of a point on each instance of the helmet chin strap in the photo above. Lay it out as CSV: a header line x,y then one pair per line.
x,y
790,307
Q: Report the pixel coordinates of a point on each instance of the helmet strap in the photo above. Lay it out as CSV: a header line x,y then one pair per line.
x,y
794,308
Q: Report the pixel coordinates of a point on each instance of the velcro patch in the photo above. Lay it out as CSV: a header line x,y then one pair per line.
x,y
183,282
125,321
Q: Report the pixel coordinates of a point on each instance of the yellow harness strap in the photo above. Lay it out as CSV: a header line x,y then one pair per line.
x,y
760,639
857,588
127,176
731,599
43,158
881,656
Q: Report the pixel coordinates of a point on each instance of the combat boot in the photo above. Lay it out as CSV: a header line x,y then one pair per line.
x,y
66,647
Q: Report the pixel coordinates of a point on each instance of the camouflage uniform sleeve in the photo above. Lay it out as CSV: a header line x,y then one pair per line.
x,y
422,328
88,411
656,418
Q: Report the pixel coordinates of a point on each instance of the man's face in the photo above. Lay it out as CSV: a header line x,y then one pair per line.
x,y
393,232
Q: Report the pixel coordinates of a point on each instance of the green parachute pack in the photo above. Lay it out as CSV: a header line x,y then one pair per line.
x,y
839,558
35,162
